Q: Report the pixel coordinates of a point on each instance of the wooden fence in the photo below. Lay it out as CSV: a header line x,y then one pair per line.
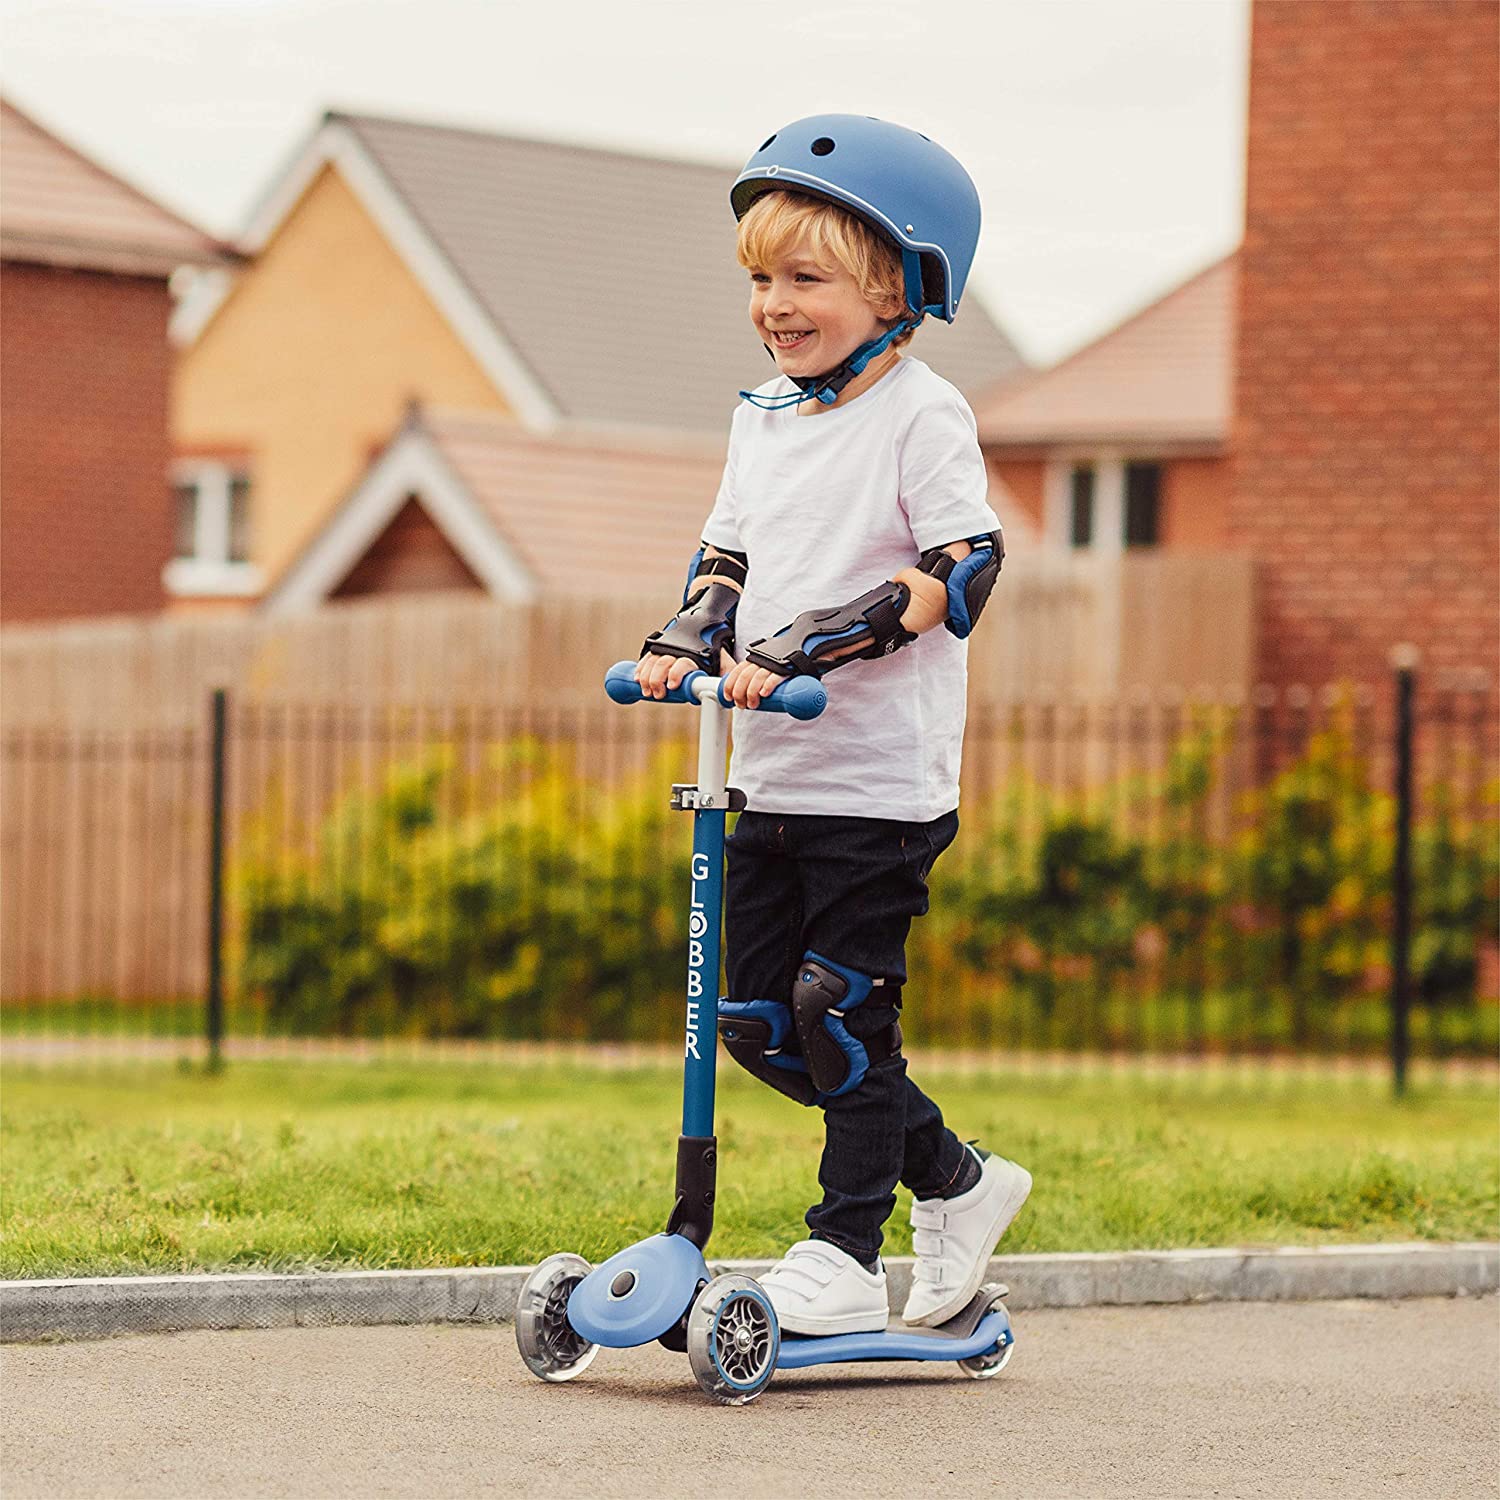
x,y
1085,627
104,789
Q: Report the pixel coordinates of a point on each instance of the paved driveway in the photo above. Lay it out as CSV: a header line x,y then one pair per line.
x,y
1314,1399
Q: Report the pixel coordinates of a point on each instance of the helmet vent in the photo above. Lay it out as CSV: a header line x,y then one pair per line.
x,y
822,146
768,140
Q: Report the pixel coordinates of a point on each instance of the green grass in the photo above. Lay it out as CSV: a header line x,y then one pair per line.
x,y
1219,1021
295,1165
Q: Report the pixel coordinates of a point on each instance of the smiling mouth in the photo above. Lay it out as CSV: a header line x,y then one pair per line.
x,y
792,340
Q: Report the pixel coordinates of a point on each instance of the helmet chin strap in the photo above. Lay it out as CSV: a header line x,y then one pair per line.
x,y
826,388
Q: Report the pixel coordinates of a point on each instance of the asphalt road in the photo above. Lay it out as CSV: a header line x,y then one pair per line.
x,y
1310,1399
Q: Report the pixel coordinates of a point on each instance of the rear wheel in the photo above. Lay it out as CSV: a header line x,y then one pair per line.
x,y
733,1339
989,1364
549,1344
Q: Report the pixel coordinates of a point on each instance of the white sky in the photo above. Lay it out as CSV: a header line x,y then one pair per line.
x,y
1106,136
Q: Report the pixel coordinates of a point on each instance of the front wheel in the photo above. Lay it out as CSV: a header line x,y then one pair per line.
x,y
989,1364
550,1345
733,1339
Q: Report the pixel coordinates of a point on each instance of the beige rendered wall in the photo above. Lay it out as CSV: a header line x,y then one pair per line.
x,y
310,363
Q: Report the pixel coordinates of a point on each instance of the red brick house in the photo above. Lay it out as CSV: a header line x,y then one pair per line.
x,y
1325,401
86,521
1123,443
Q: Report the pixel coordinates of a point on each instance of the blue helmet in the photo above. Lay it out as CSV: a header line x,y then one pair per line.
x,y
896,180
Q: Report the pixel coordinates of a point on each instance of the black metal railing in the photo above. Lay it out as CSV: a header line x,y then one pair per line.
x,y
1294,874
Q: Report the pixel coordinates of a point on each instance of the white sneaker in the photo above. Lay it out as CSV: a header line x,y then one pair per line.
x,y
954,1238
817,1288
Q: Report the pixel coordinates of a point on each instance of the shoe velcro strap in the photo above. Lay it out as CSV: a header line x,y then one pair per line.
x,y
926,1243
925,1217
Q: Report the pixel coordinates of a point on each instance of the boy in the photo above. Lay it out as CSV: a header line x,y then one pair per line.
x,y
856,464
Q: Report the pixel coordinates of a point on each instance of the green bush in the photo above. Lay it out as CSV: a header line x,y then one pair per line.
x,y
427,908
553,913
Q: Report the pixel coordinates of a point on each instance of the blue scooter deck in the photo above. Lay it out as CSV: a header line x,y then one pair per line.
x,y
979,1327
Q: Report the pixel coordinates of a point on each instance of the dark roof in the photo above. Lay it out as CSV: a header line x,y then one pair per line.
x,y
613,276
57,207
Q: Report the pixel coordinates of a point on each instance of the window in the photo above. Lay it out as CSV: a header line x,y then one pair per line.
x,y
1101,504
239,518
211,530
1081,495
1142,504
185,535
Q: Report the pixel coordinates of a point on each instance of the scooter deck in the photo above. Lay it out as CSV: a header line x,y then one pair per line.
x,y
966,1334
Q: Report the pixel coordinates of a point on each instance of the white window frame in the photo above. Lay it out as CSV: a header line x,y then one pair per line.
x,y
1109,500
209,570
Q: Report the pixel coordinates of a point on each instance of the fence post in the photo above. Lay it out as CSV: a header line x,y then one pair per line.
x,y
1404,659
215,1010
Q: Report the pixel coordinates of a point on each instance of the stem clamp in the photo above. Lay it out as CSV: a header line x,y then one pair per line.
x,y
685,798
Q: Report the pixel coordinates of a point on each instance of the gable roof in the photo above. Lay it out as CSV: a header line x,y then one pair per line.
x,y
59,208
1163,375
608,279
581,512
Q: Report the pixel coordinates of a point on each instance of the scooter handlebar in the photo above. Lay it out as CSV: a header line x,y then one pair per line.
x,y
801,697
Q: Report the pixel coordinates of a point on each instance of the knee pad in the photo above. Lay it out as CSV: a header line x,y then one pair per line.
x,y
822,995
756,1034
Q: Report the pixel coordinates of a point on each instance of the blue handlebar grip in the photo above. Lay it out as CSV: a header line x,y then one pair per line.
x,y
620,684
801,697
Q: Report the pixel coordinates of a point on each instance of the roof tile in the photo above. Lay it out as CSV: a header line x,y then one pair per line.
x,y
1164,374
59,208
598,512
654,330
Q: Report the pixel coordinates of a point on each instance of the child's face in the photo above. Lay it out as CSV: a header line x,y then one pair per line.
x,y
810,316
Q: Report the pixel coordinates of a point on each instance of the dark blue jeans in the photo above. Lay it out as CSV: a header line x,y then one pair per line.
x,y
846,888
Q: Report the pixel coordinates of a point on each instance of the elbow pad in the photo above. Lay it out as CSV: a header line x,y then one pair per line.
x,y
968,582
806,647
705,623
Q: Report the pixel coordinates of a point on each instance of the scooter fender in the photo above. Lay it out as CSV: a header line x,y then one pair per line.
x,y
638,1294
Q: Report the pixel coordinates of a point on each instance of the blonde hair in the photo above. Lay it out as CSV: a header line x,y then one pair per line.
x,y
777,220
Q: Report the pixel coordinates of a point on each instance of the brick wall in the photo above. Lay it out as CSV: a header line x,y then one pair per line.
x,y
1024,498
1193,499
85,515
1366,444
410,556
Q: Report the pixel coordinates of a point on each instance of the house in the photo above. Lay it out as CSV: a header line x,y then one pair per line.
x,y
1366,438
1123,444
548,285
1324,401
462,501
86,519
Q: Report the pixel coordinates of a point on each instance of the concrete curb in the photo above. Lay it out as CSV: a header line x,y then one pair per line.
x,y
98,1307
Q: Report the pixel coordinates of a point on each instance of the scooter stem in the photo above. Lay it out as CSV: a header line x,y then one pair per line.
x,y
693,1214
697,1157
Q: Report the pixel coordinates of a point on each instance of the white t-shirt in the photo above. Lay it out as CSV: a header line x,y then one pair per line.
x,y
827,506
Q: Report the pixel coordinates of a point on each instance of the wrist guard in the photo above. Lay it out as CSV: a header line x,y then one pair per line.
x,y
968,582
806,647
705,623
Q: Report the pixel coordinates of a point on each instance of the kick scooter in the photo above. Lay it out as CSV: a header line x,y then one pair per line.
x,y
661,1288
